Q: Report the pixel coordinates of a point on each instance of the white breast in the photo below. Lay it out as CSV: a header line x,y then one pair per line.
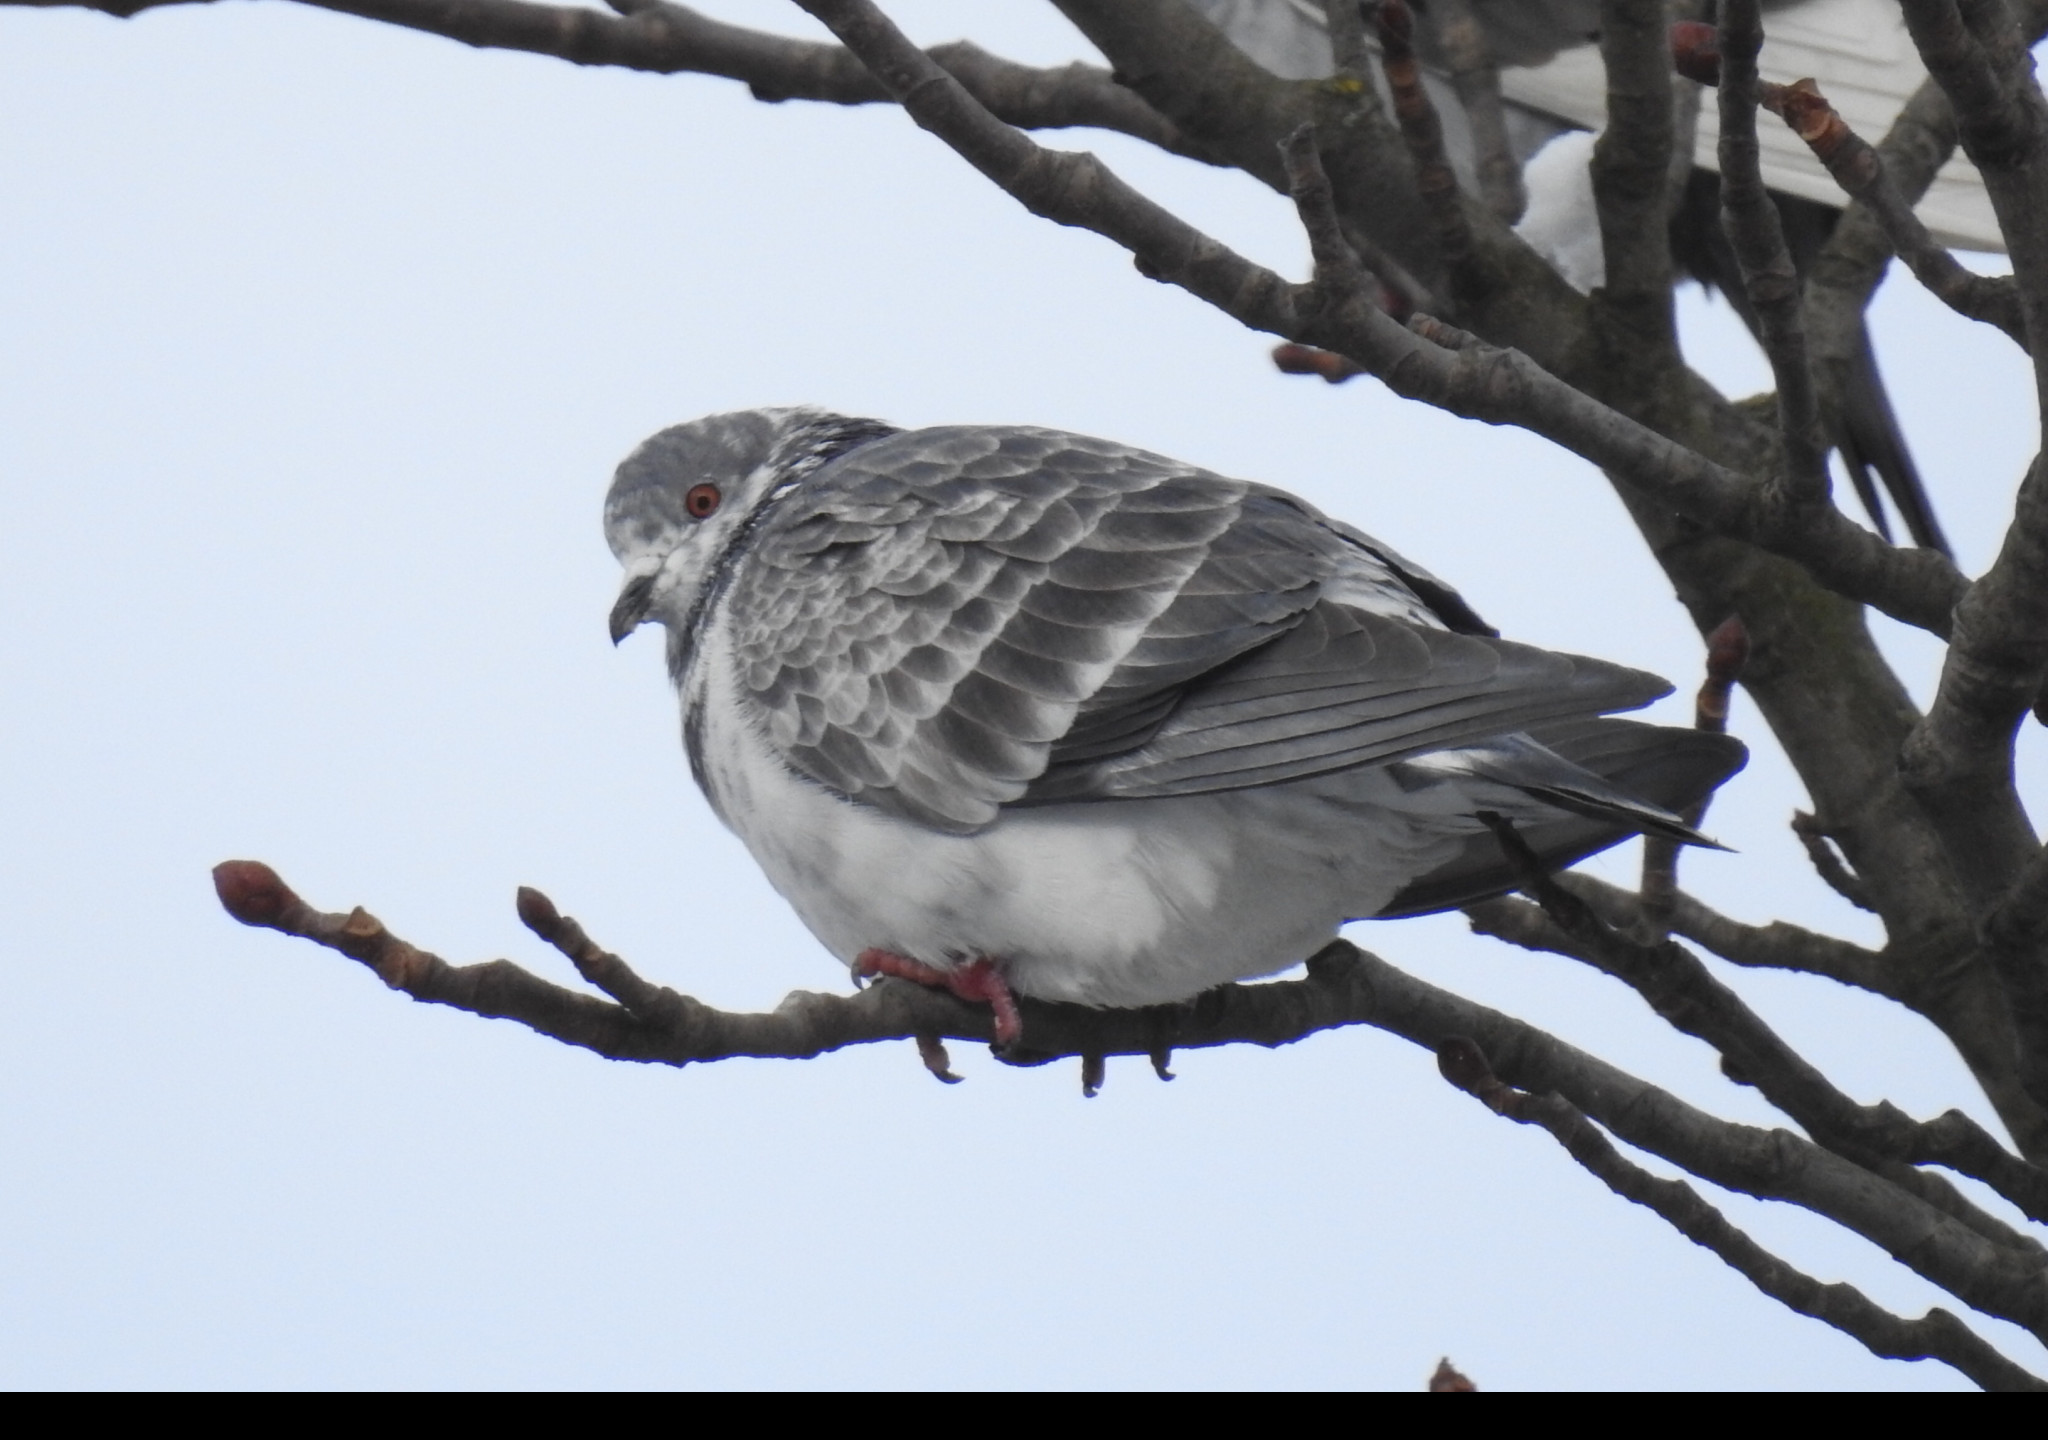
x,y
1112,903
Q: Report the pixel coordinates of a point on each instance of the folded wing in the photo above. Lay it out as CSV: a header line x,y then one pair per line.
x,y
947,622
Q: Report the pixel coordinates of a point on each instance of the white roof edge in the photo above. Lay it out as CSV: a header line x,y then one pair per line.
x,y
1865,63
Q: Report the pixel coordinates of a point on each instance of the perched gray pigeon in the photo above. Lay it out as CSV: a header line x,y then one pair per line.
x,y
1013,710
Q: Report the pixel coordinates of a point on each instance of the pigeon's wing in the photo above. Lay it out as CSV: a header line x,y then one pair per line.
x,y
927,619
949,621
1345,687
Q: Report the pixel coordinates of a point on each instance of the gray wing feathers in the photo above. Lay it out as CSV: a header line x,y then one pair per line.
x,y
1343,688
948,621
926,620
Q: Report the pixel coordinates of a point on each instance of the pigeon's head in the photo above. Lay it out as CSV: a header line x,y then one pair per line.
x,y
680,502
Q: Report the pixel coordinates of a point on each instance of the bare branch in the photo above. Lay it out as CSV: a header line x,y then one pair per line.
x,y
1477,80
1881,1138
653,1024
1858,169
1478,381
671,39
1959,759
1727,652
2021,917
1937,1335
1828,864
1751,220
1780,945
1631,167
1344,986
1423,133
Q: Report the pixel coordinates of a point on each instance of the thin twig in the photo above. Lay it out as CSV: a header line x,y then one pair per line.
x,y
1861,172
1727,652
668,39
1857,168
1937,1335
1424,133
1768,275
1828,863
1477,80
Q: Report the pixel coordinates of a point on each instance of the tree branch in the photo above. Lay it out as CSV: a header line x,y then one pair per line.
x,y
1423,133
1477,80
1754,231
1937,1335
670,39
1631,168
1727,652
1860,171
1344,986
1880,1138
1832,869
1467,378
653,1024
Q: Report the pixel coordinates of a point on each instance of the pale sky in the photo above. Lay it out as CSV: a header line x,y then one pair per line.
x,y
322,340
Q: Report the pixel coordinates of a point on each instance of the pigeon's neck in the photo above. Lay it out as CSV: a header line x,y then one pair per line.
x,y
815,440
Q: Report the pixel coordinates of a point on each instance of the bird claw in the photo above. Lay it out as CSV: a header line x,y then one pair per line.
x,y
976,982
932,1050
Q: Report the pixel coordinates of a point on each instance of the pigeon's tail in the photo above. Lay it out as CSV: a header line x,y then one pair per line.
x,y
1867,435
1864,430
1611,779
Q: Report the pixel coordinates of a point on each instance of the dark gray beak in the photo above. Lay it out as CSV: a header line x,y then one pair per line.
x,y
634,601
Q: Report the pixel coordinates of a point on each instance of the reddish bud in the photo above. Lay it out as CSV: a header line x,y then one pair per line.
x,y
250,891
537,913
1727,650
1291,359
1812,119
1696,52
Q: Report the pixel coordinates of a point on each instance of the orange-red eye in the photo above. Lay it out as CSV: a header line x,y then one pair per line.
x,y
701,501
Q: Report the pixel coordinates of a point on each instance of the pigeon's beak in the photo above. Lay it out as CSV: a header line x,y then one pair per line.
x,y
635,600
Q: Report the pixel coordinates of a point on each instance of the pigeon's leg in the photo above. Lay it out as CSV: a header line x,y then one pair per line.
x,y
977,980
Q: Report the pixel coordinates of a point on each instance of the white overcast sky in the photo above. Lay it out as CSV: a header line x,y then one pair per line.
x,y
321,340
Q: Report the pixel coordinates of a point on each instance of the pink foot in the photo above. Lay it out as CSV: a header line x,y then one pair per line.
x,y
975,981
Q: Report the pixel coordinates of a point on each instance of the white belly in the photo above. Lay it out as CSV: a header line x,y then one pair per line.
x,y
1133,902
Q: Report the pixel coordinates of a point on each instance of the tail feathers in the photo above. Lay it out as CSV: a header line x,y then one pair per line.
x,y
1864,429
1625,778
1604,804
1868,437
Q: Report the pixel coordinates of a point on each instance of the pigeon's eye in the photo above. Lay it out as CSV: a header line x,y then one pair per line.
x,y
701,501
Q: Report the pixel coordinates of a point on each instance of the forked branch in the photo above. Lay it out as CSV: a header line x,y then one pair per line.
x,y
1937,1335
1344,986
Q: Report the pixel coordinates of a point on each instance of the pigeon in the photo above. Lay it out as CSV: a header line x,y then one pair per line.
x,y
1020,712
1554,87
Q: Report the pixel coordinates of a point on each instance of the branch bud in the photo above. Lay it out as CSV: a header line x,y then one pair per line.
x,y
1696,52
251,891
538,913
